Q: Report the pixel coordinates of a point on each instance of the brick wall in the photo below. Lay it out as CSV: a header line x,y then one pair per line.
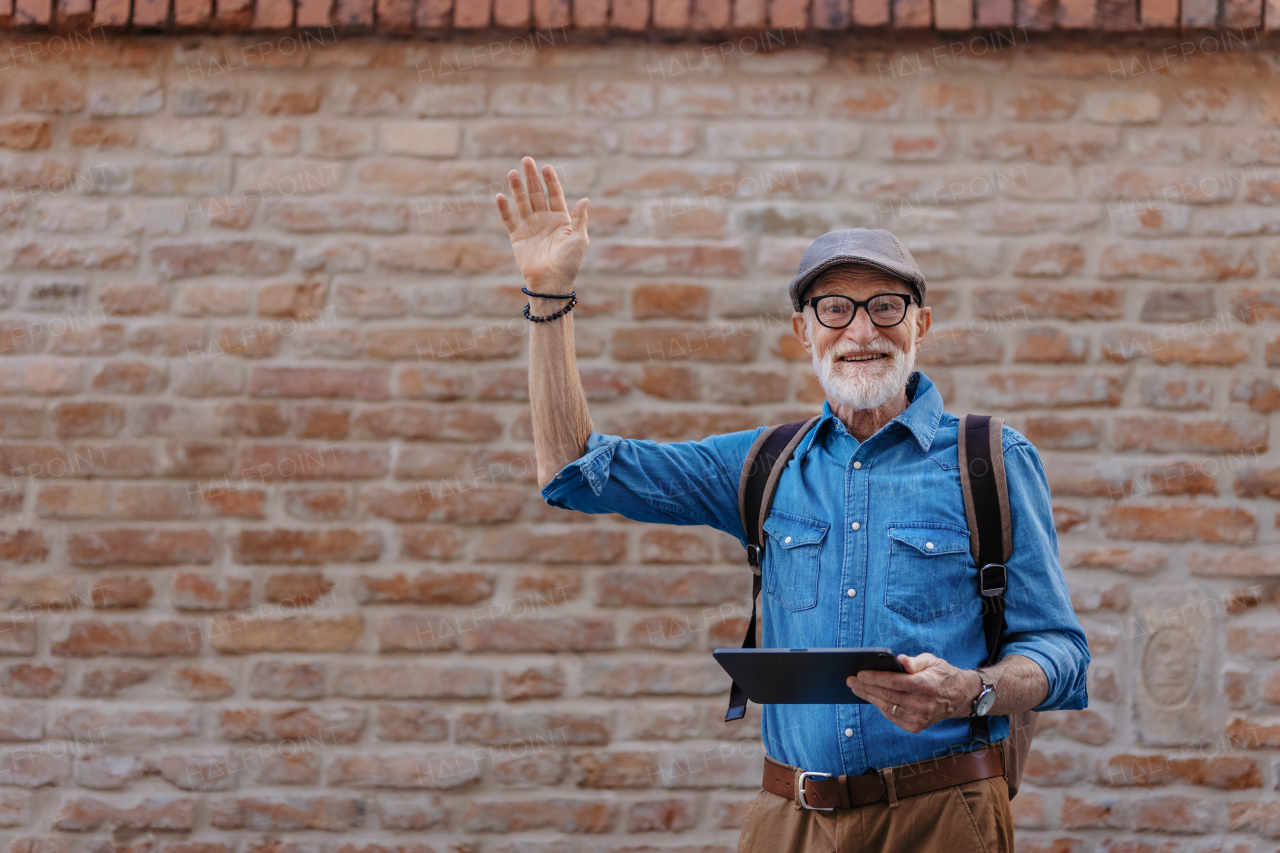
x,y
276,573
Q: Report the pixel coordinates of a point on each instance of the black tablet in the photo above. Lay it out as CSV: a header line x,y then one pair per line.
x,y
802,676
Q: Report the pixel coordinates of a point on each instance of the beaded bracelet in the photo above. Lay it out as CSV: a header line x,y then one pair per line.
x,y
573,300
529,292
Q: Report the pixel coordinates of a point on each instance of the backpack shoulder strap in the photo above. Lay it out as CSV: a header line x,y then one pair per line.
x,y
761,470
759,480
986,506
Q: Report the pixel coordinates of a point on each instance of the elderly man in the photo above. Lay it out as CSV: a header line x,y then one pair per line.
x,y
867,541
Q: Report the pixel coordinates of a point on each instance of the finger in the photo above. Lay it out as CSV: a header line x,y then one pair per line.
x,y
555,192
537,198
578,219
518,191
892,680
504,210
919,662
886,708
880,694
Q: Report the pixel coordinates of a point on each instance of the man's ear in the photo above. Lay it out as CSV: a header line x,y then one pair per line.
x,y
924,318
801,329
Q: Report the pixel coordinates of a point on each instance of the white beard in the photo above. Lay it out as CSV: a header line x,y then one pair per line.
x,y
868,384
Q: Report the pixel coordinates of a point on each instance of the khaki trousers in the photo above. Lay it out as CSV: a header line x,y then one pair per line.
x,y
969,818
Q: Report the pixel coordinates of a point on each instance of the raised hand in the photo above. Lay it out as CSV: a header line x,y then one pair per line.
x,y
549,241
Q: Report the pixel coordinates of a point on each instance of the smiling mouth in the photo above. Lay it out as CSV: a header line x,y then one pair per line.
x,y
868,357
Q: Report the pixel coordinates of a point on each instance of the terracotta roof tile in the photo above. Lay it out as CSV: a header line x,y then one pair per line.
x,y
591,14
633,16
1118,15
870,13
1159,14
37,12
953,14
750,14
912,14
552,14
512,13
197,13
710,15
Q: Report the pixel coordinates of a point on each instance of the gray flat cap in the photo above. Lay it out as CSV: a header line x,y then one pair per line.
x,y
874,247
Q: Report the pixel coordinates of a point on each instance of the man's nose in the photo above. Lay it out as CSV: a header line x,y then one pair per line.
x,y
861,330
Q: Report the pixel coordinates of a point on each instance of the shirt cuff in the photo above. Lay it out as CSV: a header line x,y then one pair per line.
x,y
593,466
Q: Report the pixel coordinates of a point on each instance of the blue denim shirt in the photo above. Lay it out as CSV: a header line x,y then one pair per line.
x,y
867,545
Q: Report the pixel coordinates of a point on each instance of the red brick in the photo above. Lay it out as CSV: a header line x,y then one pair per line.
x,y
240,634
482,505
202,591
341,724
1056,768
1180,524
234,257
1028,390
88,420
660,259
1166,434
1171,814
566,633
72,500
163,813
1177,262
545,682
371,383
427,424
303,547
666,815
426,587
111,591
1117,559
140,547
287,680
670,301
412,681
443,344
1225,772
27,681
275,462
524,545
1260,817
399,723
284,812
134,638
674,546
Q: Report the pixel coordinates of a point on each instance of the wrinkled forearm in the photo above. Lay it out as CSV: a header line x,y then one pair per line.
x,y
558,406
1020,684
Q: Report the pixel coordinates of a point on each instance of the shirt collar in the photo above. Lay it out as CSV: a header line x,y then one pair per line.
x,y
921,417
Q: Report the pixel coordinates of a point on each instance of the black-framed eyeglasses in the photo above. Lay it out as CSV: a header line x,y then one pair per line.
x,y
884,309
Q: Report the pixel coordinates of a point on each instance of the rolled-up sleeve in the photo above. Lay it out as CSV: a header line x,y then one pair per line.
x,y
1041,623
686,482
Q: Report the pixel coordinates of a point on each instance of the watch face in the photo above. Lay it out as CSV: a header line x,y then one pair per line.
x,y
985,701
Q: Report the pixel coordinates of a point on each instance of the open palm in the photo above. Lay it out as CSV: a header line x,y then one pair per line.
x,y
549,241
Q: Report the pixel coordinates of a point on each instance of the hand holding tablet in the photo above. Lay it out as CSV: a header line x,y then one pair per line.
x,y
802,676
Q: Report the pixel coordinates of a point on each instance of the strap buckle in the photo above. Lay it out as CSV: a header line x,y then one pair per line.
x,y
800,790
991,583
753,557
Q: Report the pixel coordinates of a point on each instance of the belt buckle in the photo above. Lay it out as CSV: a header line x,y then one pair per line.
x,y
800,788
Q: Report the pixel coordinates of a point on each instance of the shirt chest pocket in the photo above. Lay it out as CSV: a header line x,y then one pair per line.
x,y
928,564
792,554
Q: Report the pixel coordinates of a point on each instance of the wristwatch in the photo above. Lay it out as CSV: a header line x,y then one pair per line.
x,y
985,699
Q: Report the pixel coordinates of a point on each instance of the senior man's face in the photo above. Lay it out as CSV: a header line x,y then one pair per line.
x,y
862,365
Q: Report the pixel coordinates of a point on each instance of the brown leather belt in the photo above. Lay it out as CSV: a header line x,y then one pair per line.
x,y
822,791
